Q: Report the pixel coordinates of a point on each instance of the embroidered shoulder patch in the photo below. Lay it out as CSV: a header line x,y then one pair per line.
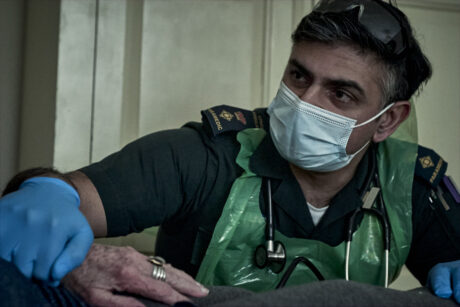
x,y
226,118
430,166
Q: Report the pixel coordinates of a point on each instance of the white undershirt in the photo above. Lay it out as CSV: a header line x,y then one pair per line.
x,y
316,213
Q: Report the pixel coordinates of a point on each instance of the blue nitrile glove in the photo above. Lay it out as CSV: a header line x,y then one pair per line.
x,y
444,280
41,229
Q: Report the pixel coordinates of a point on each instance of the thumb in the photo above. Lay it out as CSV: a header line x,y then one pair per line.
x,y
439,281
73,254
456,284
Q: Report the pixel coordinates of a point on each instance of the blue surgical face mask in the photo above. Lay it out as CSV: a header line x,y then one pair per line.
x,y
308,136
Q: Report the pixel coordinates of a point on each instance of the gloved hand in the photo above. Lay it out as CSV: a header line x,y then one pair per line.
x,y
444,280
41,229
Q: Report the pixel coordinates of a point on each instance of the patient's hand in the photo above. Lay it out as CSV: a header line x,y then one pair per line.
x,y
109,271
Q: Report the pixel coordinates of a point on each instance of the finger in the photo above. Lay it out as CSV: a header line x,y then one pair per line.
x,y
46,257
73,254
53,283
7,255
456,283
23,262
6,250
152,289
26,268
101,297
183,282
440,281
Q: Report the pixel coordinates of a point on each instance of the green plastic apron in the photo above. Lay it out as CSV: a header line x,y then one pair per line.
x,y
229,259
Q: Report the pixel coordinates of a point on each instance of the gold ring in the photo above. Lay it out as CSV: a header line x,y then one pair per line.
x,y
156,260
158,272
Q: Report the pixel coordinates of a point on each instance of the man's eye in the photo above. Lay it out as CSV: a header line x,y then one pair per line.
x,y
342,96
297,75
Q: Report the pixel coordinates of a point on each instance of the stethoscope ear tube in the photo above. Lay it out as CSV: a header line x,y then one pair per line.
x,y
269,228
273,253
386,224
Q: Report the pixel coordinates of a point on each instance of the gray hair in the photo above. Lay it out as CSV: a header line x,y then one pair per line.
x,y
402,75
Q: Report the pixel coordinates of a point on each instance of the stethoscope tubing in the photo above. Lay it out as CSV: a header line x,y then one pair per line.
x,y
270,229
383,218
347,263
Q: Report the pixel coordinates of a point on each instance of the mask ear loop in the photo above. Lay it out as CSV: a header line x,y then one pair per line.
x,y
368,121
375,116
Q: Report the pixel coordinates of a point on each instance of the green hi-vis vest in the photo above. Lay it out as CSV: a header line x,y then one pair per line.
x,y
229,259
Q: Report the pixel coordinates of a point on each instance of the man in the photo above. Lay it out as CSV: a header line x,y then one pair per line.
x,y
354,66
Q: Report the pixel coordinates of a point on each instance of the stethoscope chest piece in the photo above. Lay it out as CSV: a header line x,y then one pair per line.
x,y
272,256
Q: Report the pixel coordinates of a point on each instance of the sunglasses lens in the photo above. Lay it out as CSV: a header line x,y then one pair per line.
x,y
374,17
335,6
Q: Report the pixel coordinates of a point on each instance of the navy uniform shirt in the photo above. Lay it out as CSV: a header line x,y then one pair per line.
x,y
180,179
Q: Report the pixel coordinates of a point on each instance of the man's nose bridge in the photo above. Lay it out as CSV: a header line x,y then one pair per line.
x,y
311,94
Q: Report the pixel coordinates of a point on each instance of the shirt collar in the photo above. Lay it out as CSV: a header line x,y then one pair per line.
x,y
349,198
267,162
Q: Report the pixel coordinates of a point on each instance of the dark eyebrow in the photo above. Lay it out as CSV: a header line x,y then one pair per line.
x,y
332,82
346,83
300,67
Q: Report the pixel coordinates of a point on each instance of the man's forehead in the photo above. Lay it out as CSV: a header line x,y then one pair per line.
x,y
305,51
338,61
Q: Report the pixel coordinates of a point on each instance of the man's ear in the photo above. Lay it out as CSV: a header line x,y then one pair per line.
x,y
391,119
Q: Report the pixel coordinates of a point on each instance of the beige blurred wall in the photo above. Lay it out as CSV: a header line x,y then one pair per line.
x,y
28,63
438,106
38,104
11,38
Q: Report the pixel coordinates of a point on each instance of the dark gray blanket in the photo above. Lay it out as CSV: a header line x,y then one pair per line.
x,y
324,293
16,290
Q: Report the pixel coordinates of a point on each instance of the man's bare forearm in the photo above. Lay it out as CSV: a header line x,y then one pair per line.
x,y
90,203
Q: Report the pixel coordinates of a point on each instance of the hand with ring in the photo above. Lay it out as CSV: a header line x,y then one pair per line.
x,y
110,274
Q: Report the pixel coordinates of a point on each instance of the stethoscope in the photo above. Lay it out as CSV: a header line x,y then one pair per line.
x,y
272,254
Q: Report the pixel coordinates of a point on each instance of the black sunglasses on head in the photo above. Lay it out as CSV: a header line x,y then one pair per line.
x,y
374,16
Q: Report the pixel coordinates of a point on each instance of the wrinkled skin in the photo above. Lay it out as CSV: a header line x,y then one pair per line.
x,y
110,274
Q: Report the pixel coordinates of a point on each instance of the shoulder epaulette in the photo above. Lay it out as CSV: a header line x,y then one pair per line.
x,y
430,166
226,118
